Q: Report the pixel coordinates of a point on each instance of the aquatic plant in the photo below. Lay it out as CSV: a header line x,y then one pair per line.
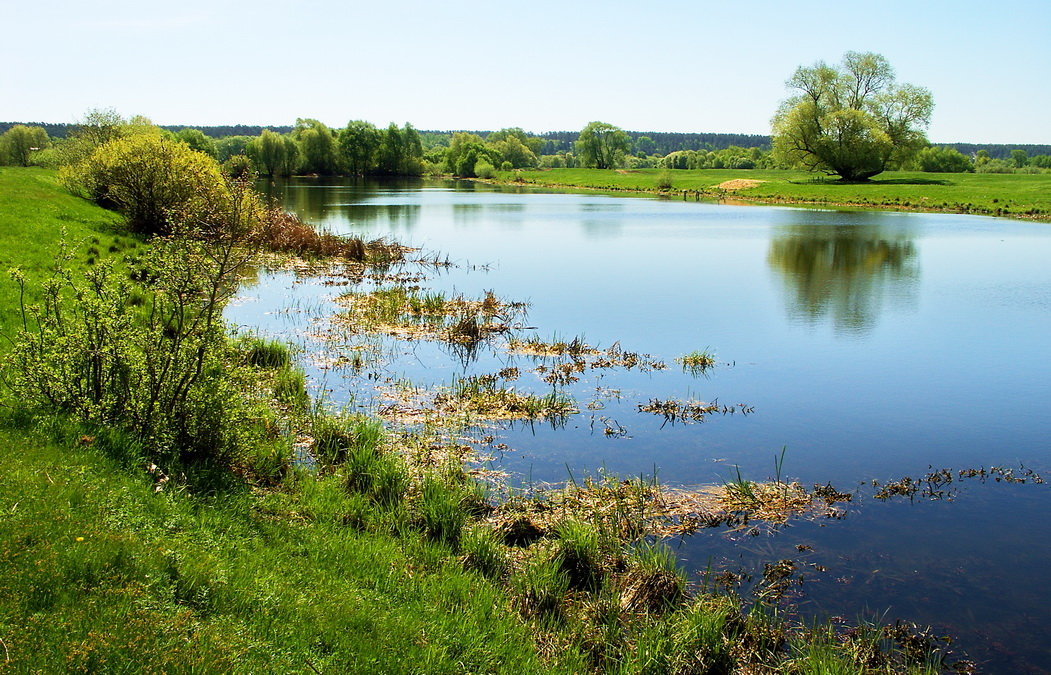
x,y
697,362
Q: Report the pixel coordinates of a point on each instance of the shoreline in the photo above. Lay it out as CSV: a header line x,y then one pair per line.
x,y
724,196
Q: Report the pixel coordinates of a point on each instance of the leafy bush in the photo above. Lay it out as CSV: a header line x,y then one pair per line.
x,y
153,180
162,371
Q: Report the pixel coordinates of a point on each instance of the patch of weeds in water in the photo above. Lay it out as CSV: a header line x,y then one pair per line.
x,y
416,315
578,553
940,483
654,581
697,362
673,410
482,396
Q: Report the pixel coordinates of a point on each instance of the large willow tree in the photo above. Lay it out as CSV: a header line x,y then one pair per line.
x,y
853,121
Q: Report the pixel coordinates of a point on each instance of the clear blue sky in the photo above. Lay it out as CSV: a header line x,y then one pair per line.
x,y
694,66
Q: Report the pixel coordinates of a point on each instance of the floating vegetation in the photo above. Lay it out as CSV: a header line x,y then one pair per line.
x,y
483,396
696,363
632,508
469,399
691,411
413,314
581,355
534,346
938,484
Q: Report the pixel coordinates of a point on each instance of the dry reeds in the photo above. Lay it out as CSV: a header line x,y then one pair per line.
x,y
283,232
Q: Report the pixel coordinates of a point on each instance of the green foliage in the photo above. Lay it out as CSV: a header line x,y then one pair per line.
x,y
264,353
853,121
270,153
290,388
231,146
481,550
943,160
152,180
400,151
317,147
359,142
441,511
602,146
578,555
239,167
515,146
1020,158
18,143
162,375
465,152
483,169
196,139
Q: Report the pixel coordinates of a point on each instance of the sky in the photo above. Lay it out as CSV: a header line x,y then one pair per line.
x,y
689,66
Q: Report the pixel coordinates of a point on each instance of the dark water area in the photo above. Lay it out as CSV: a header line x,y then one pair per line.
x,y
871,346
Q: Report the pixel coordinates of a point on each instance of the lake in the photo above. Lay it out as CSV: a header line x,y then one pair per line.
x,y
866,345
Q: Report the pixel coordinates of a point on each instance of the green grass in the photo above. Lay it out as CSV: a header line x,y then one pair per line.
x,y
1013,195
100,572
34,213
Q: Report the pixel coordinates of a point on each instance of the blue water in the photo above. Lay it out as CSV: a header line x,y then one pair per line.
x,y
872,345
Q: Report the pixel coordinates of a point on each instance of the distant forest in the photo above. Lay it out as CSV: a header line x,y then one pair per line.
x,y
663,143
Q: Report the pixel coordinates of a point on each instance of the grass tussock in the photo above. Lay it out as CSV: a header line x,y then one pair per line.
x,y
697,362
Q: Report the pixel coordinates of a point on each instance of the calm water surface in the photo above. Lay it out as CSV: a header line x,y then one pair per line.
x,y
871,345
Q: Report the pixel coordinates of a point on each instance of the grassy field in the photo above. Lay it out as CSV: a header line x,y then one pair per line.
x,y
104,567
1013,195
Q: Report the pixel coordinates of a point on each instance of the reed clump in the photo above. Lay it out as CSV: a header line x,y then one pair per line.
x,y
697,362
282,232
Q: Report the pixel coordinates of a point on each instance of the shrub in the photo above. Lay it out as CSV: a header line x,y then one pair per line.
x,y
154,181
164,376
484,169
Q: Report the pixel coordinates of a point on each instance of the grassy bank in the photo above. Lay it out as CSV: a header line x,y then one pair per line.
x,y
1014,195
383,558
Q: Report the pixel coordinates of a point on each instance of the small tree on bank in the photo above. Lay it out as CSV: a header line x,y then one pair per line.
x,y
853,121
19,142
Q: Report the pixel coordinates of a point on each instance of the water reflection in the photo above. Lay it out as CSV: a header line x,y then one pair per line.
x,y
844,271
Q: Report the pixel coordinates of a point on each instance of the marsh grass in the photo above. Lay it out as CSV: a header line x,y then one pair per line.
x,y
697,362
414,314
265,353
483,396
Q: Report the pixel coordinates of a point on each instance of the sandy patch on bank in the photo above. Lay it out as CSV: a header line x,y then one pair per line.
x,y
739,184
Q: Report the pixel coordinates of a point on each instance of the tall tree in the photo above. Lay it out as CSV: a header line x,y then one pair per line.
x,y
196,139
853,121
358,143
602,146
317,146
269,153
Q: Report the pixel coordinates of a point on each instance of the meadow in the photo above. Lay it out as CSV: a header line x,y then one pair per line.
x,y
1012,195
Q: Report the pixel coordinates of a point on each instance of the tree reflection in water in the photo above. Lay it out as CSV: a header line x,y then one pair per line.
x,y
844,272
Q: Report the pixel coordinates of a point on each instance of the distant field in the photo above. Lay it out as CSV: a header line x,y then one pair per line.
x,y
1013,195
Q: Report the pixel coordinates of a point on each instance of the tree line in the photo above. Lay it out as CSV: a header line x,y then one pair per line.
x,y
824,127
